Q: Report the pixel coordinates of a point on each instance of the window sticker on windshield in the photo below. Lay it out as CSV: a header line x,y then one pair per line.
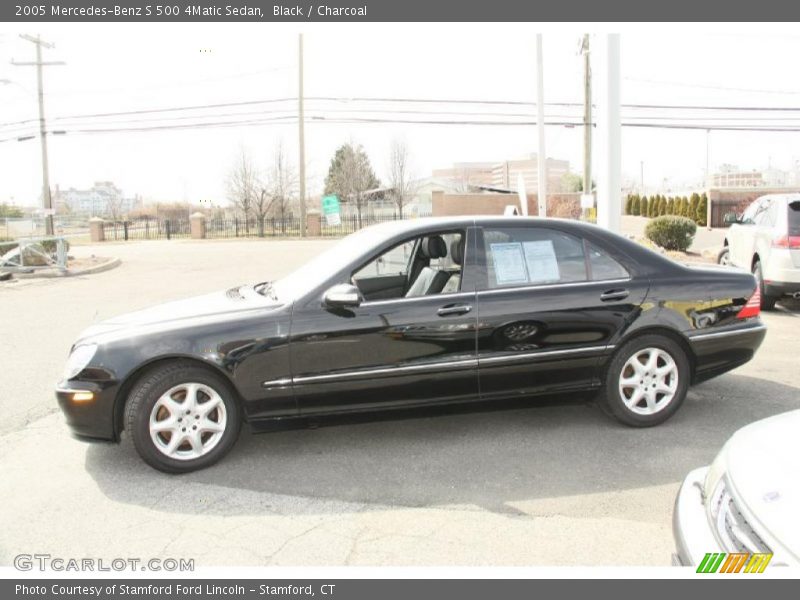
x,y
509,264
540,258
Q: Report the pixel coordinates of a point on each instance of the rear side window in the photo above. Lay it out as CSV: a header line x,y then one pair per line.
x,y
794,217
518,256
603,266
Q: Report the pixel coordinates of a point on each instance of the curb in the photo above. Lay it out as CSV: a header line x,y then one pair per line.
x,y
106,266
711,253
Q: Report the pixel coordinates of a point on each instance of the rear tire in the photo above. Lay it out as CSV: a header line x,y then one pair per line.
x,y
767,302
646,381
724,257
182,417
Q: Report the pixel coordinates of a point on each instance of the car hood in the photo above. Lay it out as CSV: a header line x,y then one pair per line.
x,y
763,467
180,313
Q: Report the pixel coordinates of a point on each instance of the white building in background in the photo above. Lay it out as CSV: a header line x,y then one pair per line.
x,y
102,199
731,176
505,174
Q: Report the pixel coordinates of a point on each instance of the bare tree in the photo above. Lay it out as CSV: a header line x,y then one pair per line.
x,y
400,182
283,184
276,190
114,209
242,184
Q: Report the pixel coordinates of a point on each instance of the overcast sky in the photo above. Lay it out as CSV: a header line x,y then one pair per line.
x,y
114,68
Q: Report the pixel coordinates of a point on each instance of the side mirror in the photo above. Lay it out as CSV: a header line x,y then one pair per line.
x,y
342,295
730,218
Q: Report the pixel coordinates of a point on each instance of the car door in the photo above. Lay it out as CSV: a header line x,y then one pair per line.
x,y
741,236
763,230
549,305
391,350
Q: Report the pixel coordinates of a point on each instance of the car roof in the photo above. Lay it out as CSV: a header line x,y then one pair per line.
x,y
425,223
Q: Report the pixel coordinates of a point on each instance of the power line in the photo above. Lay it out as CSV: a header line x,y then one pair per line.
x,y
425,101
433,122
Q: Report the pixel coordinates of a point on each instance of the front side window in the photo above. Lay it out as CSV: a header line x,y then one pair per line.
x,y
423,266
518,256
750,213
392,262
766,216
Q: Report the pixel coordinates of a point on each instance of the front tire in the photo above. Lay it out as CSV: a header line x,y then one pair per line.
x,y
182,417
767,302
646,381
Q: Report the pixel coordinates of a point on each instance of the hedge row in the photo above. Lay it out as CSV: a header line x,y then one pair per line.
x,y
694,207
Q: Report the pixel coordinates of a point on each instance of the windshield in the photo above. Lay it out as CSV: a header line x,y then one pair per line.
x,y
330,261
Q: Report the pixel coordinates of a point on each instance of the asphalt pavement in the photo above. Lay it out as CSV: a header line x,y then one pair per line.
x,y
543,482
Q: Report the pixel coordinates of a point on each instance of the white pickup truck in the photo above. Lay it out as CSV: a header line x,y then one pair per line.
x,y
765,240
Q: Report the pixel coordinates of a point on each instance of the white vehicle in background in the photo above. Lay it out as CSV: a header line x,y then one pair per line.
x,y
748,501
765,240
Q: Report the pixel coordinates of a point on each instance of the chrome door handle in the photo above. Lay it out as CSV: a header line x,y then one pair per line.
x,y
456,309
611,295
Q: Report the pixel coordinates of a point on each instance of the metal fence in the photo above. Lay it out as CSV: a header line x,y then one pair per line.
x,y
12,228
147,229
218,228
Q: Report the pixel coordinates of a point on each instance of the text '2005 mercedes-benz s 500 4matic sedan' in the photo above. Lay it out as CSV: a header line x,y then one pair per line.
x,y
414,313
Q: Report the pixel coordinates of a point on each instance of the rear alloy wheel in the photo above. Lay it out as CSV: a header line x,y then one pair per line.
x,y
724,257
767,302
646,381
182,417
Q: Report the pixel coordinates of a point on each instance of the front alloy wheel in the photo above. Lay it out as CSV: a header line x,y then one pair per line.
x,y
188,421
646,381
182,417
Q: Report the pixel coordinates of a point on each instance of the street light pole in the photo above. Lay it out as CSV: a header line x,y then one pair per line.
x,y
46,196
302,140
609,134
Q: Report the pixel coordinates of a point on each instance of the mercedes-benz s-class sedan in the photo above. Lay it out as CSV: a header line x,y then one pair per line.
x,y
414,313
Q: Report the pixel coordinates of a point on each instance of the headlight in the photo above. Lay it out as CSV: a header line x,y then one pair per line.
x,y
78,360
715,474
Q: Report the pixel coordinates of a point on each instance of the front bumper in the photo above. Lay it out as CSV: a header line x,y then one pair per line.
x,y
89,420
690,526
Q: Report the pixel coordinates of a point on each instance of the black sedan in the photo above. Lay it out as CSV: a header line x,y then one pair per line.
x,y
414,313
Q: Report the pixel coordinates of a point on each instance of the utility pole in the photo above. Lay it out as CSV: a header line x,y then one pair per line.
x,y
587,117
46,197
301,130
541,160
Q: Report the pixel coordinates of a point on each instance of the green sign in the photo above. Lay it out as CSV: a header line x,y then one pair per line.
x,y
331,210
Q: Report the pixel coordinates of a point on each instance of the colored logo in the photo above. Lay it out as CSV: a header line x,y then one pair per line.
x,y
736,562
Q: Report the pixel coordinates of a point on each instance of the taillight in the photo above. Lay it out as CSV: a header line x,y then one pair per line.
x,y
753,306
787,241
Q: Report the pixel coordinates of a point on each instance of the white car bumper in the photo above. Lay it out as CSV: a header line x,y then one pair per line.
x,y
690,526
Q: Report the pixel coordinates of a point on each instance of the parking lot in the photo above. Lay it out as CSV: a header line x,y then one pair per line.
x,y
550,482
